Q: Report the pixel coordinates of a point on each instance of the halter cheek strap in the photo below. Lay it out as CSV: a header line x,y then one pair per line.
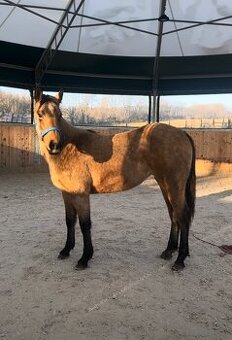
x,y
46,131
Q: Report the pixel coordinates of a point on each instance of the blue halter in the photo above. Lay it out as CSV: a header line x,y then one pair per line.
x,y
46,131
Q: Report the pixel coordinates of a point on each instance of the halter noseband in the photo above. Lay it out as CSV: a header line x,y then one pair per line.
x,y
46,131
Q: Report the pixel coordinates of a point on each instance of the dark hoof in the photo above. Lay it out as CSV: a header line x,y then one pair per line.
x,y
178,267
166,254
81,266
63,255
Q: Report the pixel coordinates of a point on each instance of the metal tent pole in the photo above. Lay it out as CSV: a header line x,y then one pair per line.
x,y
149,109
158,109
32,105
162,18
56,39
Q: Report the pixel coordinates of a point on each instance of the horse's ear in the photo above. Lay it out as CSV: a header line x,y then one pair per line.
x,y
38,94
59,96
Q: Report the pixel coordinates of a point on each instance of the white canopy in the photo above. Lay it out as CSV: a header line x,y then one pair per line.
x,y
196,27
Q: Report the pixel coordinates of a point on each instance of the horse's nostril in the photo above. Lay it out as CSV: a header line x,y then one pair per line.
x,y
54,147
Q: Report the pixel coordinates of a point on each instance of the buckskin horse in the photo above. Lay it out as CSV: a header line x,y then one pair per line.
x,y
83,162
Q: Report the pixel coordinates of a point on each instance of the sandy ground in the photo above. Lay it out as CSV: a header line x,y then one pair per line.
x,y
127,292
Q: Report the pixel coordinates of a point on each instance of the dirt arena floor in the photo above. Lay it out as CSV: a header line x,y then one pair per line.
x,y
127,292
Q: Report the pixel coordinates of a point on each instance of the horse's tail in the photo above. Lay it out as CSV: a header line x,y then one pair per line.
x,y
190,191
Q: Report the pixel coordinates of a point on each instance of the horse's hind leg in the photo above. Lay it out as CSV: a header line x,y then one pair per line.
x,y
172,242
184,223
71,217
83,210
174,196
174,233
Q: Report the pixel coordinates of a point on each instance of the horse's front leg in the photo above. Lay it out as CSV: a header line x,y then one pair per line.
x,y
83,210
71,218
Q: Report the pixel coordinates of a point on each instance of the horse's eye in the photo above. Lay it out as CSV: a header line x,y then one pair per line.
x,y
40,114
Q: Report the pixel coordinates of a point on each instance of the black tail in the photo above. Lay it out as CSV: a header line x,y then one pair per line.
x,y
190,191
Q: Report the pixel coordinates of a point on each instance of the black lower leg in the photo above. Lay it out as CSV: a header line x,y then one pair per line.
x,y
88,247
172,242
183,249
70,242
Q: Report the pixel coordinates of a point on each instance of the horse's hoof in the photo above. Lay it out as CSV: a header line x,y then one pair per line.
x,y
81,266
166,254
178,267
63,255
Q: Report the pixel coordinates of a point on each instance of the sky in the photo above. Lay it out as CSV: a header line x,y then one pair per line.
x,y
189,100
71,99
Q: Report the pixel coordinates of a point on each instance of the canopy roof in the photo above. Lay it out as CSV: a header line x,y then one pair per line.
x,y
131,46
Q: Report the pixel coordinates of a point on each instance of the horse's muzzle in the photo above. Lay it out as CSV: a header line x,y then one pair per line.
x,y
54,148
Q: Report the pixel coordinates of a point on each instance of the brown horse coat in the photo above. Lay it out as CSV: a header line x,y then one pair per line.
x,y
83,162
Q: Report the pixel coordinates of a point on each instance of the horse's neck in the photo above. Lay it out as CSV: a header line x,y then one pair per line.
x,y
67,129
70,132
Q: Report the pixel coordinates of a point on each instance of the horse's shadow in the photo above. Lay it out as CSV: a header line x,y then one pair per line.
x,y
101,150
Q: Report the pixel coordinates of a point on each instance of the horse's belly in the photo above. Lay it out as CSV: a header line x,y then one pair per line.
x,y
119,180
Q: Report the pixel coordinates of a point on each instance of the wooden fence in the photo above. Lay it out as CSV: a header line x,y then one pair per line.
x,y
19,145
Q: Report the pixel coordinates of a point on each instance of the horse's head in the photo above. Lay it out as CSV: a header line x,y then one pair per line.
x,y
48,115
